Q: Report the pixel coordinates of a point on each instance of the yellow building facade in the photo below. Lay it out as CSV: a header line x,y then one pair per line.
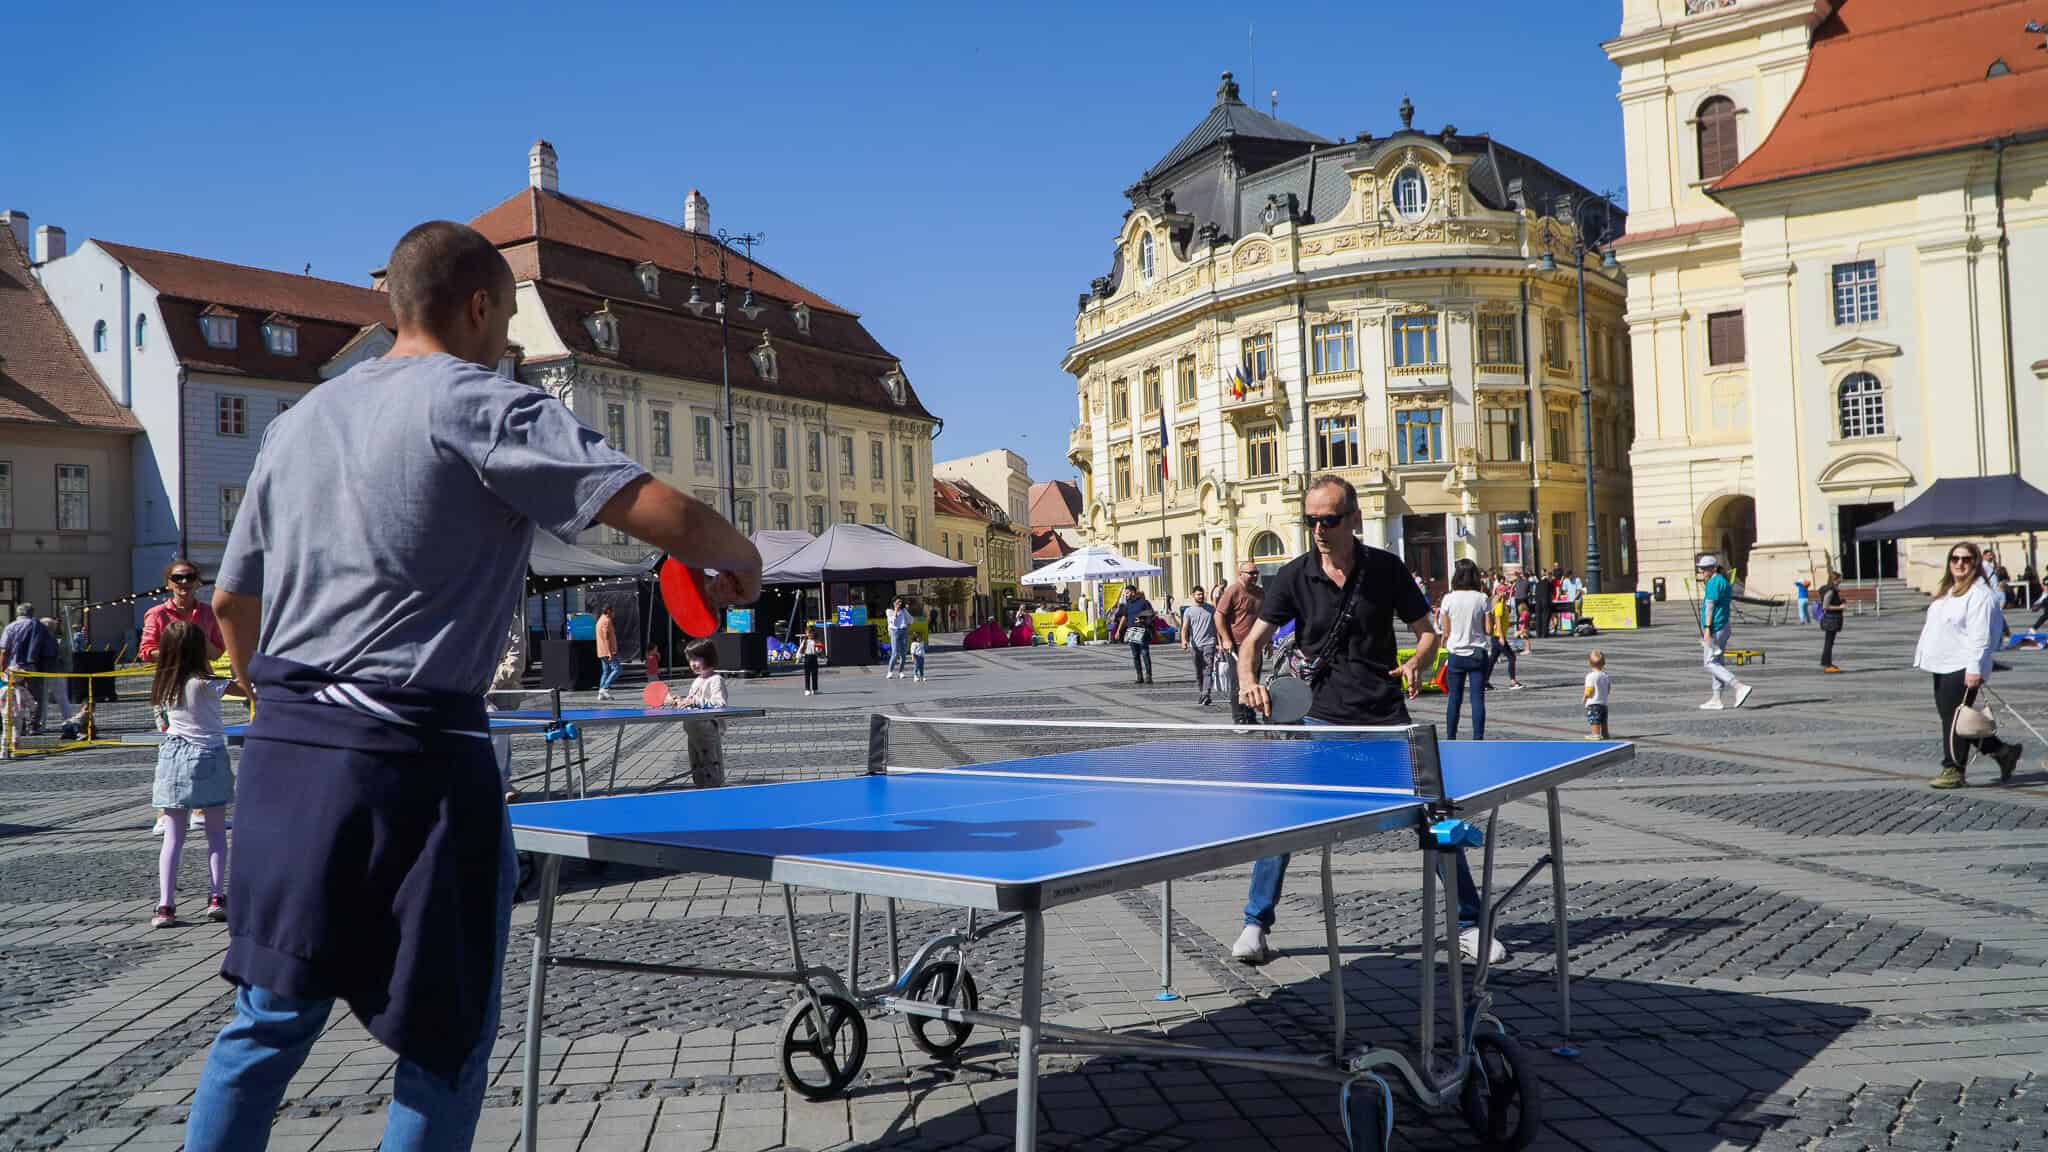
x,y
1280,306
1837,210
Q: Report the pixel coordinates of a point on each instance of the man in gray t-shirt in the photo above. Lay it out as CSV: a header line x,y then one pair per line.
x,y
380,551
1198,635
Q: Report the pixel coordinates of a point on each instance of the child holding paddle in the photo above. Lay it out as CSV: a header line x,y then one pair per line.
x,y
706,738
191,764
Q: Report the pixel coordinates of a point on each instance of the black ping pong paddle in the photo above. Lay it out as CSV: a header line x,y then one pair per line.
x,y
1287,700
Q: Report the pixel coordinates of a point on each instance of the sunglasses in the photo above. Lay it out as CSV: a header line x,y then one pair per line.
x,y
184,577
1961,559
1330,521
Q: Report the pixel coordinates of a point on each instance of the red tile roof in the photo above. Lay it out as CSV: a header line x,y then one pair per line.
x,y
1891,79
948,500
259,290
533,214
1047,545
1727,223
45,377
1054,504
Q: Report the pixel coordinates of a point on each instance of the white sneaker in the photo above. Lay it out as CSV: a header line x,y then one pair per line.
x,y
807,691
1713,704
1468,946
888,675
1742,692
1251,947
197,821
157,829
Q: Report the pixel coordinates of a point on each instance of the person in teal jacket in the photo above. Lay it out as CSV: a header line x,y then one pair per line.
x,y
1717,596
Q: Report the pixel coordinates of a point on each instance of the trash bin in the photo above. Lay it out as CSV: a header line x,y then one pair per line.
x,y
1657,588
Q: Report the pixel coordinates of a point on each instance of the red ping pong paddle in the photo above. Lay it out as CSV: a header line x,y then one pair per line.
x,y
682,593
655,694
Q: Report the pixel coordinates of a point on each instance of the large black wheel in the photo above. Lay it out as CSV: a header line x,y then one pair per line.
x,y
820,1057
1368,1115
1500,1100
948,983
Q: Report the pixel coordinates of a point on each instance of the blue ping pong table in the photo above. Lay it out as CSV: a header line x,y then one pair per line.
x,y
1021,833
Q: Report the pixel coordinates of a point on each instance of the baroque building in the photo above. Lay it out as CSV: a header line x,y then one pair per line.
x,y
826,426
1279,305
1838,210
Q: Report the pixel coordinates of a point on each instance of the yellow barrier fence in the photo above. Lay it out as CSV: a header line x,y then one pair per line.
x,y
81,710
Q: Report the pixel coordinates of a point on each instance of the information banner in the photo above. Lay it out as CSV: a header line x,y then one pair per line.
x,y
853,616
1610,611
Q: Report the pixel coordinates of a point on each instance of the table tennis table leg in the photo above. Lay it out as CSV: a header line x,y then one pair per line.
x,y
618,737
1425,1045
1336,958
1166,991
853,946
895,953
1560,925
536,995
1453,955
1027,1032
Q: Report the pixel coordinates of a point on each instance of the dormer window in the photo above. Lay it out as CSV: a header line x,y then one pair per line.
x,y
763,357
603,328
897,386
1145,261
650,277
802,315
1411,194
280,336
217,325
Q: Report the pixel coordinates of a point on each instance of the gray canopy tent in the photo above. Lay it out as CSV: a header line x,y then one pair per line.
x,y
856,554
554,565
1967,507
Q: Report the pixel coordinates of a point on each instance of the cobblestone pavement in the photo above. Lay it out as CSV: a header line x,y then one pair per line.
x,y
1781,939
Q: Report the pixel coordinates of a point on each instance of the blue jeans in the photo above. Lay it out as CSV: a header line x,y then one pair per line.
x,y
608,671
1460,672
918,659
899,652
255,1056
1271,871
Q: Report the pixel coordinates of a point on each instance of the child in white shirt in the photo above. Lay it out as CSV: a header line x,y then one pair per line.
x,y
706,738
1596,696
917,656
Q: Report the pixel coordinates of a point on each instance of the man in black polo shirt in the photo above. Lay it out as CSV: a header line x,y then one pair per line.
x,y
1363,684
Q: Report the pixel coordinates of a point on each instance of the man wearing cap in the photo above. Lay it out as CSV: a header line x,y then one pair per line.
x,y
1717,595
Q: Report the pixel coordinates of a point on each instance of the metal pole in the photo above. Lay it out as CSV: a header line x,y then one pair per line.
x,y
1027,1031
1586,414
1530,556
725,384
1166,991
536,995
1560,925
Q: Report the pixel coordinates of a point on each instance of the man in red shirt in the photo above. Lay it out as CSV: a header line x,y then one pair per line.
x,y
1237,609
183,578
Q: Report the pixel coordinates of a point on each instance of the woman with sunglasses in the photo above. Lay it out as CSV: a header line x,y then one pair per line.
x,y
182,577
1963,625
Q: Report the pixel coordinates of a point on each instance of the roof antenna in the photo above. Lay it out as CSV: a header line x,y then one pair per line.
x,y
1275,104
1251,37
308,271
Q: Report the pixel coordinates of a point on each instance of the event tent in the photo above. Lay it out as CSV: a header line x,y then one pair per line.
x,y
1095,562
853,553
1967,506
554,560
775,547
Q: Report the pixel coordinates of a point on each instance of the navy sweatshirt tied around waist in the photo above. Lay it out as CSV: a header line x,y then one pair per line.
x,y
369,832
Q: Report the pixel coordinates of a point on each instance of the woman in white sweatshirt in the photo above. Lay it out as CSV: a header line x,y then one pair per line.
x,y
1963,626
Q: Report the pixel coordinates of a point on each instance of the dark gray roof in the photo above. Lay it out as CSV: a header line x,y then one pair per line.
x,y
1231,117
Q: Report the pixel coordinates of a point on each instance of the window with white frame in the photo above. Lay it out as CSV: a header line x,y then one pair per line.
x,y
1855,292
1337,442
1333,348
743,515
1256,353
778,448
6,494
1560,436
1411,194
1184,380
909,476
1119,399
663,441
1553,343
846,457
780,515
1153,399
1861,398
849,512
68,597
1262,450
743,444
1499,341
615,425
1146,265
815,451
74,498
230,506
700,438
280,338
1190,456
910,525
1419,435
231,416
218,330
878,467
1415,341
1120,477
817,517
1500,434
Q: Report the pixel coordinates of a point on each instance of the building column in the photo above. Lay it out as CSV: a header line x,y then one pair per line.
x,y
1780,554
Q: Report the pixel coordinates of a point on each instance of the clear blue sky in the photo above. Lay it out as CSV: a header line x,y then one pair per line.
x,y
954,176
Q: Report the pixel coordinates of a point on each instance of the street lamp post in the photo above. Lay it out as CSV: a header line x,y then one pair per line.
x,y
751,310
1581,247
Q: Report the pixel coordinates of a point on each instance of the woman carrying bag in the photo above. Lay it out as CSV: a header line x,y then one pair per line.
x,y
1963,625
1829,601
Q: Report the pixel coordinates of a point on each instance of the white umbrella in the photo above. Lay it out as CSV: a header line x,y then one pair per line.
x,y
1092,563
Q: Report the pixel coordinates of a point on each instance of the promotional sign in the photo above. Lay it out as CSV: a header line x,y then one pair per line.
x,y
853,616
1511,549
739,619
1610,610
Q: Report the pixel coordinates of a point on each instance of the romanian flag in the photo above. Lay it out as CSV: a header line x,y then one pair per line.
x,y
1164,446
1240,383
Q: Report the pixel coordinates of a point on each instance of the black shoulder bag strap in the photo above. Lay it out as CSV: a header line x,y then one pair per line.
x,y
1317,668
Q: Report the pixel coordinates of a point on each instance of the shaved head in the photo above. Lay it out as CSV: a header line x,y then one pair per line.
x,y
437,270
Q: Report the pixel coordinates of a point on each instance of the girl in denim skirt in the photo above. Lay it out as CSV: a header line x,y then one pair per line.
x,y
191,764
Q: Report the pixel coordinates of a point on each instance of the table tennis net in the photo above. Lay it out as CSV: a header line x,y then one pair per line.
x,y
1378,760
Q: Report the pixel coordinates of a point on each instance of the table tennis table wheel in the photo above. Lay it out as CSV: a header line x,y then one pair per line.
x,y
947,983
820,1058
1499,1099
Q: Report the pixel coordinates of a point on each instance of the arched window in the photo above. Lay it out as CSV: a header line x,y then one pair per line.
x,y
1145,257
1268,554
99,336
1716,128
141,326
1862,406
1411,194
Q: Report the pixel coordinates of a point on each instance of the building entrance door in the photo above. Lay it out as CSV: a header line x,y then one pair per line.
x,y
1424,547
1867,559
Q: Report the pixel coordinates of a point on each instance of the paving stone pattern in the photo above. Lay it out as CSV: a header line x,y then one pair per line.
x,y
66,782
37,978
94,875
1860,812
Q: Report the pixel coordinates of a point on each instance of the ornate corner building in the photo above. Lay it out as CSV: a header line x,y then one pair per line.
x,y
1279,305
1838,209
